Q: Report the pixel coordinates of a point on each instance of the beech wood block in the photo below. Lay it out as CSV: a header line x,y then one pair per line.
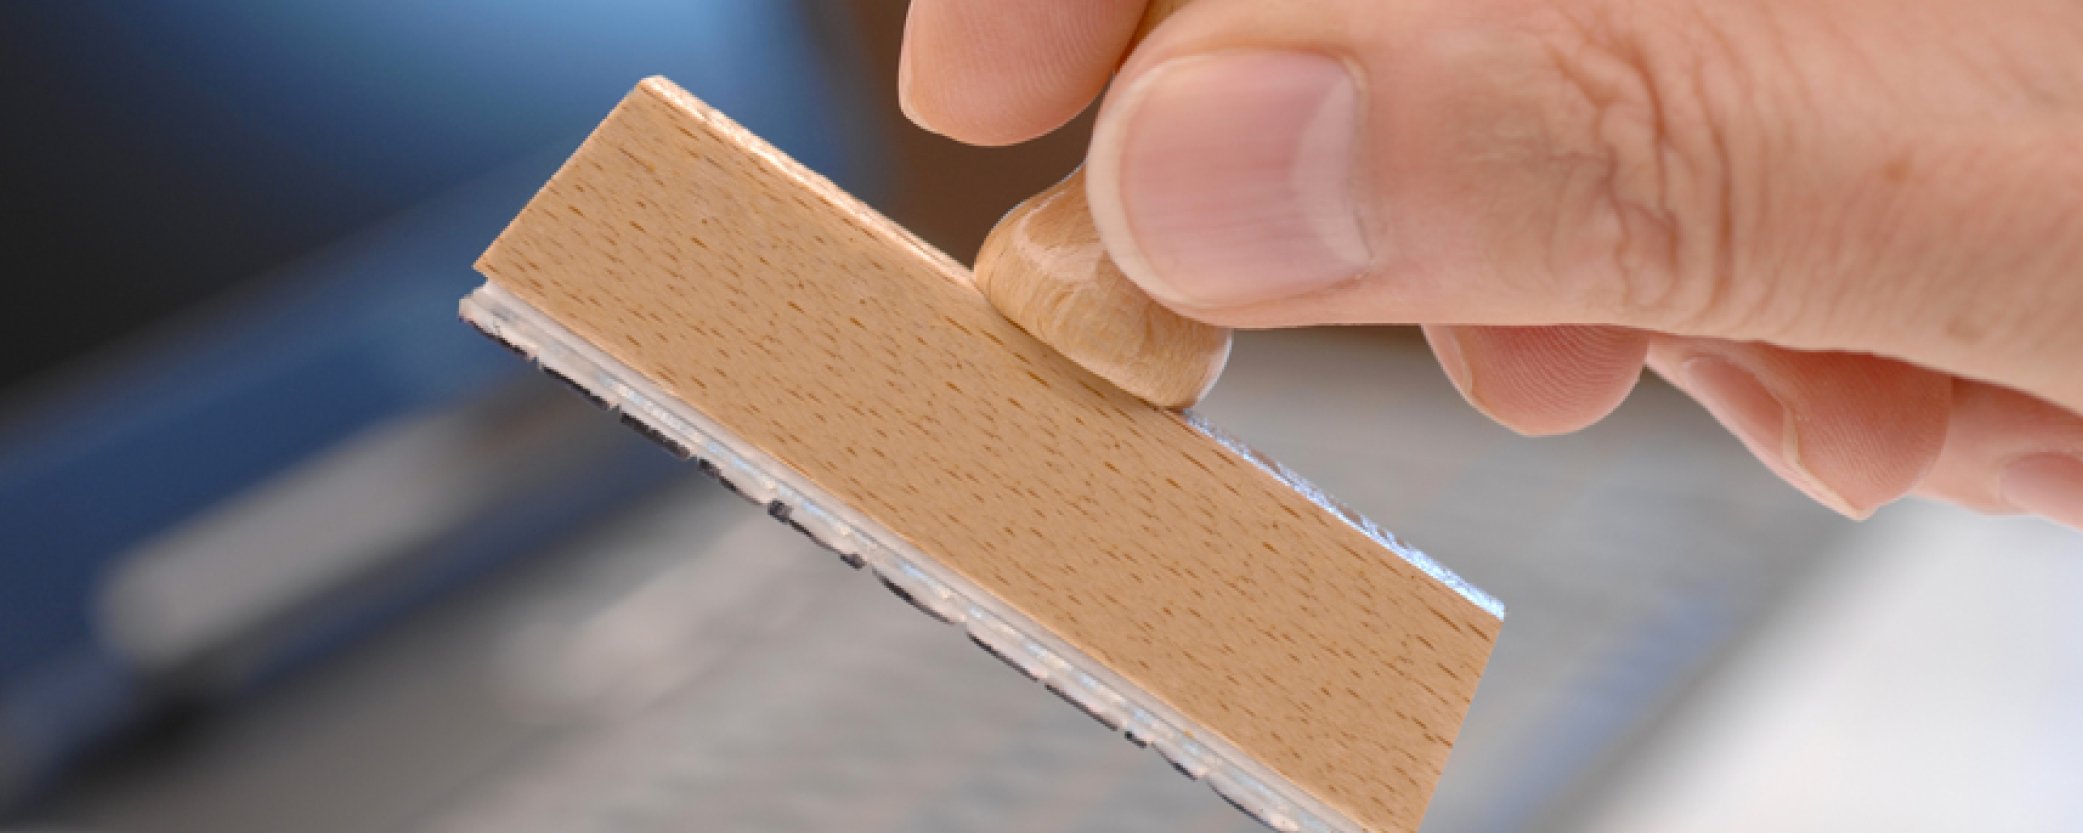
x,y
760,295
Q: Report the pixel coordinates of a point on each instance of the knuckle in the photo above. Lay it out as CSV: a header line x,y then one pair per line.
x,y
1660,187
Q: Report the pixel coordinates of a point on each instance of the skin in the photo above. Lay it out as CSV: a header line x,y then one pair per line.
x,y
1872,209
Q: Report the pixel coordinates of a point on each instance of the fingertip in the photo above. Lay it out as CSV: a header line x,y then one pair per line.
x,y
1005,72
2008,453
1541,381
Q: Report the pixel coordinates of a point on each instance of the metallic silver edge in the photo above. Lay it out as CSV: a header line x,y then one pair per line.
x,y
1388,540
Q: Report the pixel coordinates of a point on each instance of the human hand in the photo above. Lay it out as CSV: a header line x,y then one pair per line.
x,y
1852,230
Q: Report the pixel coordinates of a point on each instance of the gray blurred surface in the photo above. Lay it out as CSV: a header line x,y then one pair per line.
x,y
695,666
1931,680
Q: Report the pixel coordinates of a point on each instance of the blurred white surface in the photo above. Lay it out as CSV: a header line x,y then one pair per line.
x,y
1931,681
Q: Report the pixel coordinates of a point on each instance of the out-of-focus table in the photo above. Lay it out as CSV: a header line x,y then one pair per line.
x,y
1930,680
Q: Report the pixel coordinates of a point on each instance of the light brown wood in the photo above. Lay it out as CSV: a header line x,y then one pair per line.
x,y
831,339
1043,266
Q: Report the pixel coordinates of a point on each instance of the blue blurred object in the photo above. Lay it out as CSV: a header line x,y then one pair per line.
x,y
399,99
330,110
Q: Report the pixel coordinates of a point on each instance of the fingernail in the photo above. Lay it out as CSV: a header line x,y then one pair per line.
x,y
1446,344
1228,179
1736,398
906,77
2048,485
904,89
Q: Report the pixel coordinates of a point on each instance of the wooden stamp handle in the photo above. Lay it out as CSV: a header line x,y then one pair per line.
x,y
1043,267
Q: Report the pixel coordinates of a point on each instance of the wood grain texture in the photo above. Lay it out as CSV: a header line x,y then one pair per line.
x,y
764,297
1044,267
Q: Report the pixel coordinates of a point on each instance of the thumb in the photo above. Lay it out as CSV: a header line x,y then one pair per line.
x,y
1813,175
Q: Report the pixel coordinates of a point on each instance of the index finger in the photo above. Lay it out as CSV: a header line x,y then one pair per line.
x,y
997,72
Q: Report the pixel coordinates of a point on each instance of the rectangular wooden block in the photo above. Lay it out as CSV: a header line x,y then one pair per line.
x,y
773,304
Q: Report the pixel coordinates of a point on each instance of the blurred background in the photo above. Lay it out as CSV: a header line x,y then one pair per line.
x,y
283,546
